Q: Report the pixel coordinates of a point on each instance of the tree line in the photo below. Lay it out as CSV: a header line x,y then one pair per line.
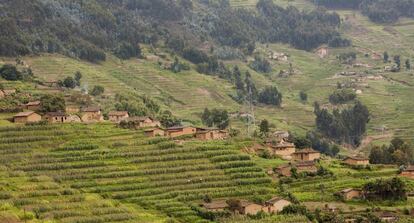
x,y
380,11
90,29
398,152
343,126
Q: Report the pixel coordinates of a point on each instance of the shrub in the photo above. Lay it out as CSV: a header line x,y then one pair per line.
x,y
127,51
386,189
97,90
342,96
303,96
10,73
195,56
260,64
52,103
270,96
68,82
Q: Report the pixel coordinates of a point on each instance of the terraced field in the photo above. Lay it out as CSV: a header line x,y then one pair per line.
x,y
99,173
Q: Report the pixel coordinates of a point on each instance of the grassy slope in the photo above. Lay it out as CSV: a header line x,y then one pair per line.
x,y
100,173
188,93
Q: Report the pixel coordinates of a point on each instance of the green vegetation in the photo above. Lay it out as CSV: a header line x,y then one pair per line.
x,y
380,11
97,90
11,73
215,118
77,173
348,125
342,96
99,173
270,96
52,103
102,25
260,64
392,189
398,152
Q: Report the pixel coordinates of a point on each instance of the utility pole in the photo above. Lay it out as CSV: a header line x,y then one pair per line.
x,y
251,119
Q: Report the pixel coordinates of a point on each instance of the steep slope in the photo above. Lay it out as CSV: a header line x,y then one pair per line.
x,y
100,173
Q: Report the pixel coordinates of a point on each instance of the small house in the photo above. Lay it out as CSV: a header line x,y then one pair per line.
x,y
276,205
250,208
9,92
284,170
322,51
356,161
33,105
408,172
154,132
51,83
180,131
118,116
216,206
387,216
27,117
280,135
306,155
349,194
74,118
283,149
91,114
211,134
301,167
306,167
143,122
56,117
330,208
72,109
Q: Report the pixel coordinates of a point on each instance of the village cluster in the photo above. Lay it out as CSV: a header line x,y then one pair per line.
x,y
94,114
272,206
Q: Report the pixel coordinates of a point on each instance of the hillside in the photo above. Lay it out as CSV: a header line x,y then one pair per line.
x,y
100,173
70,178
181,56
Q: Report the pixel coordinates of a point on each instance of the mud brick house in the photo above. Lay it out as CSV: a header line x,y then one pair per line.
x,y
56,117
118,116
91,114
349,194
211,134
283,148
33,106
180,131
408,172
306,155
301,167
276,205
216,206
27,117
154,132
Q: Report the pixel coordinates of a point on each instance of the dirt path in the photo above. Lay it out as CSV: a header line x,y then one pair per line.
x,y
390,79
369,139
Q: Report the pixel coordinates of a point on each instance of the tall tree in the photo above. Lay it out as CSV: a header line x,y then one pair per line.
x,y
397,61
386,57
78,77
264,127
407,64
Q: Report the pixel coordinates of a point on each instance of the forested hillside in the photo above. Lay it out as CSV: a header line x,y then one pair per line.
x,y
206,111
381,11
88,29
